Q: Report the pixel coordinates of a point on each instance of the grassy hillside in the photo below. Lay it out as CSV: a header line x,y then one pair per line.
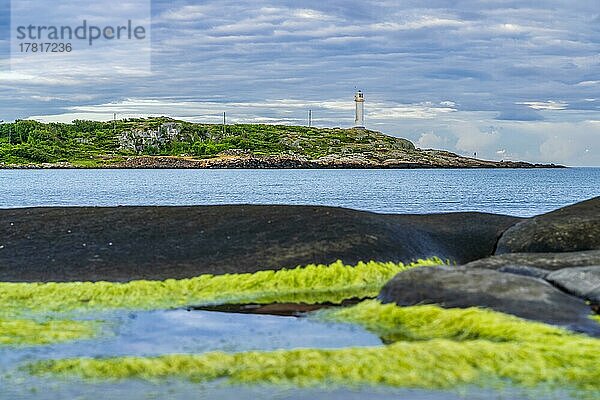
x,y
90,143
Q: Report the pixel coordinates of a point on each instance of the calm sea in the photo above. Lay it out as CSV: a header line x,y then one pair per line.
x,y
518,192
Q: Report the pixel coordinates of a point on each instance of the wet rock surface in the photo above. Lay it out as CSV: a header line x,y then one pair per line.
x,y
281,309
128,243
582,282
461,287
547,261
572,228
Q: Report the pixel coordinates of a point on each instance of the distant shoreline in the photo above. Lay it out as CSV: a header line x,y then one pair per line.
x,y
283,162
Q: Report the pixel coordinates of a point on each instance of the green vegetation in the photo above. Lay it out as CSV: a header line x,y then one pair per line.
x,y
92,143
27,332
446,352
428,322
311,284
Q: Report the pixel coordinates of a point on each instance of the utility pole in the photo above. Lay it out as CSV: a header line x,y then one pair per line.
x,y
115,124
309,118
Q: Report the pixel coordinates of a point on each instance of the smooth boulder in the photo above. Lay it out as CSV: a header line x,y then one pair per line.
x,y
459,287
582,282
547,261
572,228
525,271
128,243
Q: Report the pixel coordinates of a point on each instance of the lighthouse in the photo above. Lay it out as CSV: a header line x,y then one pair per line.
x,y
359,119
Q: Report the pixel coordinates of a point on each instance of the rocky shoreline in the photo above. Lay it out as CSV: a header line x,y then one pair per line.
x,y
427,159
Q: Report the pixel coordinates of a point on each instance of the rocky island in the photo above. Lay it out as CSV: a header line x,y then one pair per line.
x,y
167,143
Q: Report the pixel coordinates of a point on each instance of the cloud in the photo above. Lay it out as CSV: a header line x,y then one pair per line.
x,y
545,105
430,140
519,114
473,139
558,147
20,78
185,13
326,112
568,143
421,22
588,83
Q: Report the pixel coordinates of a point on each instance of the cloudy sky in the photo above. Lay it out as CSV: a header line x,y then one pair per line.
x,y
506,79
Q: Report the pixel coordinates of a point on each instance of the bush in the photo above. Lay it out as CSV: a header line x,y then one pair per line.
x,y
201,149
34,153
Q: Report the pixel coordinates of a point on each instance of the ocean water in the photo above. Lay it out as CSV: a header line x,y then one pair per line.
x,y
145,333
519,192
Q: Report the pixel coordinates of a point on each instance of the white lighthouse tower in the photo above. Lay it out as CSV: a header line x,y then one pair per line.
x,y
359,119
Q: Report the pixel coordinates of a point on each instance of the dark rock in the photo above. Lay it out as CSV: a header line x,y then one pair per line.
x,y
525,271
572,228
582,282
547,261
459,287
281,309
126,243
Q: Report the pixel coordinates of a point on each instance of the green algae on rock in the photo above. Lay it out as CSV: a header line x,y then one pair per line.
x,y
16,332
427,322
437,363
311,284
446,348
